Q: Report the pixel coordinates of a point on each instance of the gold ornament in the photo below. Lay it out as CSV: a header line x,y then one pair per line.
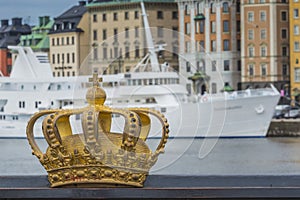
x,y
97,157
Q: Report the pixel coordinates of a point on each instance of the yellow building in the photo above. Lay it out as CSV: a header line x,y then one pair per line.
x,y
294,10
117,34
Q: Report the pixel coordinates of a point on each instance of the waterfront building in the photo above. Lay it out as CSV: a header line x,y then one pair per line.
x,y
10,35
265,44
38,40
209,43
117,35
69,41
294,10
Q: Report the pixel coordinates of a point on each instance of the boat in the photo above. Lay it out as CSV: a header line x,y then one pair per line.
x,y
31,87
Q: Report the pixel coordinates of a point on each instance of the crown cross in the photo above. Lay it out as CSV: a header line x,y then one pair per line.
x,y
95,80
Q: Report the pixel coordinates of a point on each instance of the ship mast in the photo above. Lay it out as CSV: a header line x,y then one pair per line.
x,y
150,45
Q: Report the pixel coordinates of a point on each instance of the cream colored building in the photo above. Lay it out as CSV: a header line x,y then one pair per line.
x,y
117,34
210,44
69,41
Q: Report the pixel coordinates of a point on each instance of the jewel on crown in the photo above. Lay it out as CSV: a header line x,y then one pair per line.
x,y
97,157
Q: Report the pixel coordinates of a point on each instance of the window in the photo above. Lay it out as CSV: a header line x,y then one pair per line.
x,y
160,14
225,26
175,31
250,1
262,1
250,16
201,26
296,46
68,58
95,35
225,7
296,30
68,41
94,17
262,16
284,16
297,74
284,33
115,34
263,51
116,52
73,57
263,34
284,51
136,14
174,15
212,8
137,51
57,41
126,32
53,42
126,15
213,65
73,40
213,27
263,69
213,45
214,88
187,10
115,14
127,53
104,53
53,58
296,13
104,17
226,65
284,69
160,32
58,58
187,28
250,69
104,34
239,65
201,43
95,52
136,32
250,34
188,67
238,26
251,51
226,45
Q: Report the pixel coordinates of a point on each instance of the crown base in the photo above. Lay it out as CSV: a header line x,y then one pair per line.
x,y
96,176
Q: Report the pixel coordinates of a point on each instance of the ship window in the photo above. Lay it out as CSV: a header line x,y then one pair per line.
x,y
150,82
21,104
22,87
156,81
139,82
133,82
163,109
58,87
137,100
34,87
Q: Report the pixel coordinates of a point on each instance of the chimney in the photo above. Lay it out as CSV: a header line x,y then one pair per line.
x,y
4,22
16,21
82,3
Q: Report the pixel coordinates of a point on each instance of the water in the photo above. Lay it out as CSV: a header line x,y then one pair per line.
x,y
238,156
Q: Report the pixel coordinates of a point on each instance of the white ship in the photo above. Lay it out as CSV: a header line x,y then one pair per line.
x,y
31,87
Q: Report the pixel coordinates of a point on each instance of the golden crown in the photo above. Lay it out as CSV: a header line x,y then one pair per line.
x,y
97,157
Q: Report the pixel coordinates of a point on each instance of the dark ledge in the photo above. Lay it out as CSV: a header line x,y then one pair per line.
x,y
160,186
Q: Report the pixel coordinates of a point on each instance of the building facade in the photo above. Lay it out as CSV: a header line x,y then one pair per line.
x,y
294,10
69,41
117,34
10,36
265,44
209,41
